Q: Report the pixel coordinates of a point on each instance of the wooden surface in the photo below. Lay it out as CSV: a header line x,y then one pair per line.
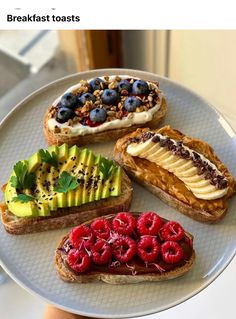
x,y
91,49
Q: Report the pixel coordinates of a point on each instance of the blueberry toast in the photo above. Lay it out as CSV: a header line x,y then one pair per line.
x,y
103,109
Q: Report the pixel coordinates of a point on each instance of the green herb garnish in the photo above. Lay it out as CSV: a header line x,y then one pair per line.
x,y
48,158
106,166
66,183
23,179
23,198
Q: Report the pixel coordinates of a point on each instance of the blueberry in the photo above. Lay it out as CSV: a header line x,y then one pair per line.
x,y
87,97
98,115
64,114
124,85
131,103
68,100
110,97
140,87
95,84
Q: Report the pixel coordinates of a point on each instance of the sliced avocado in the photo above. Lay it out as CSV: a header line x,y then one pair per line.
x,y
116,185
80,173
52,195
71,198
105,192
19,209
34,162
98,190
70,167
43,208
69,164
63,152
95,175
53,148
42,189
82,164
61,200
87,177
74,151
53,202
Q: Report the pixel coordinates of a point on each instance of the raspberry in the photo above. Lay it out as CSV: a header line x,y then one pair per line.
x,y
172,231
124,223
171,252
101,228
124,249
78,260
90,123
81,235
149,223
101,252
148,248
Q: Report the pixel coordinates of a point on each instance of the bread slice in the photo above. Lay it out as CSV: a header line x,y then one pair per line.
x,y
167,186
69,275
71,216
53,138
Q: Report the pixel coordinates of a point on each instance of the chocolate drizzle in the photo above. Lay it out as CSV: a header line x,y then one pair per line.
x,y
177,148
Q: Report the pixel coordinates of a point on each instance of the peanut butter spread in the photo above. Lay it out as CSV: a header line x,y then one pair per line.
x,y
156,175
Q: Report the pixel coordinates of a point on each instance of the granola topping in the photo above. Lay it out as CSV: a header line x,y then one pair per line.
x,y
105,103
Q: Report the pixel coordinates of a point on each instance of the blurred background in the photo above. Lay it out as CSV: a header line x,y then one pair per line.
x,y
201,60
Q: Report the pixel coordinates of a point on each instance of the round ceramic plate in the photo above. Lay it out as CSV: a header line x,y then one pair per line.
x,y
29,258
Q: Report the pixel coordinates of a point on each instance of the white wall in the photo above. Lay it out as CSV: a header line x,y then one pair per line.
x,y
145,50
206,62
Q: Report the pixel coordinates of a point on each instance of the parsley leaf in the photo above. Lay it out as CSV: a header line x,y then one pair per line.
x,y
23,198
106,166
66,183
48,158
23,179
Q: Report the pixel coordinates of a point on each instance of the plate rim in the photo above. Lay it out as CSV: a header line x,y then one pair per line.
x,y
41,90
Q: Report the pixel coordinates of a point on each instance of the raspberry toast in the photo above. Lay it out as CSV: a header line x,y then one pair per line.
x,y
125,248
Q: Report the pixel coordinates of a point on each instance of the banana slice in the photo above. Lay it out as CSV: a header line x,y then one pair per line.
x,y
162,157
159,152
180,167
189,172
177,163
184,167
136,149
201,183
203,190
191,179
170,160
152,150
218,193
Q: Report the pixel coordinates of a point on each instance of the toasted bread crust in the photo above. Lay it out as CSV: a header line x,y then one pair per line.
x,y
53,138
214,213
69,275
71,216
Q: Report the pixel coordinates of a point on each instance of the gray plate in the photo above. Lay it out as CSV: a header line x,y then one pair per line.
x,y
29,258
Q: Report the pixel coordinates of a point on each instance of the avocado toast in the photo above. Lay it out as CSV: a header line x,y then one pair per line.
x,y
61,187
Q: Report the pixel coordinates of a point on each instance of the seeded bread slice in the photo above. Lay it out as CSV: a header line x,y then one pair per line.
x,y
53,138
68,275
198,209
71,216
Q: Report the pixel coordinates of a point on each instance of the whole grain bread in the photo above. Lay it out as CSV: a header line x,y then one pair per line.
x,y
71,216
198,209
68,275
53,138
